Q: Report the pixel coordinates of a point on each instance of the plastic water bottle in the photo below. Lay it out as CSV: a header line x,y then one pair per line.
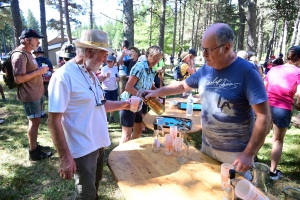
x,y
189,105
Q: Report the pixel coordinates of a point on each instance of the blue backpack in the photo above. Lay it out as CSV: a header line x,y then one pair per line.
x,y
177,72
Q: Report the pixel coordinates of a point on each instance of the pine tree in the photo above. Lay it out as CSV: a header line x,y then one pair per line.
x,y
32,22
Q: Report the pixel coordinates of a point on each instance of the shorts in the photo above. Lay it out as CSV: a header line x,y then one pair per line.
x,y
128,118
111,95
145,108
33,109
281,117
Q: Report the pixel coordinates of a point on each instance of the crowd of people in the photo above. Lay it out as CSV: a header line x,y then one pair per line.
x,y
241,100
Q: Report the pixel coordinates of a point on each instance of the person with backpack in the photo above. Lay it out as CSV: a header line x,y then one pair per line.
x,y
30,89
41,61
183,69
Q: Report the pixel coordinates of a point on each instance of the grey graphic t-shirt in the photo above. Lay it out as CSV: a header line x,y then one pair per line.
x,y
226,97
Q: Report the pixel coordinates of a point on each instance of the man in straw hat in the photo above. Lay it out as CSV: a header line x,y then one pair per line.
x,y
235,114
77,114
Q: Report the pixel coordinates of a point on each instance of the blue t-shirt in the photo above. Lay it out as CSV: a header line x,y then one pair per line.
x,y
226,98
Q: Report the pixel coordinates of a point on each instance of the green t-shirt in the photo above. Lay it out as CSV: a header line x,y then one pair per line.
x,y
161,64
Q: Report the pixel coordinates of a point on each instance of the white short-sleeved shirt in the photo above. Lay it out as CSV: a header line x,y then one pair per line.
x,y
110,83
72,92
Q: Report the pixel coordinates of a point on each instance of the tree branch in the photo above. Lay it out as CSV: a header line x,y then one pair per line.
x,y
111,18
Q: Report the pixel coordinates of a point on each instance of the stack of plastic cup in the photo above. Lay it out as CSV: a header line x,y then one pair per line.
x,y
168,144
173,132
245,190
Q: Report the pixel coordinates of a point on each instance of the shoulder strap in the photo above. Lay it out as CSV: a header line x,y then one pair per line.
x,y
22,52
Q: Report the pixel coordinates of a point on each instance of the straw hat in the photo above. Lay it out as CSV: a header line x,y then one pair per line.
x,y
184,55
94,39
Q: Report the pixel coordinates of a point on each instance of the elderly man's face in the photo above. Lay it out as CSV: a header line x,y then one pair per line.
x,y
211,50
95,59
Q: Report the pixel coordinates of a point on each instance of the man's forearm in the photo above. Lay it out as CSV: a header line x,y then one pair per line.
x,y
260,131
58,136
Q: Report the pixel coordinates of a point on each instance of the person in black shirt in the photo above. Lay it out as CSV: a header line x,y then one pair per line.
x,y
278,61
134,55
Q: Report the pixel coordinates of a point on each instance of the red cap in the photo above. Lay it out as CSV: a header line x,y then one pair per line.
x,y
273,57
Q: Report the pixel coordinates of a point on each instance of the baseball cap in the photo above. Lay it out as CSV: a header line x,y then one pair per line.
x,y
111,58
27,33
38,50
136,50
273,57
193,52
280,55
296,50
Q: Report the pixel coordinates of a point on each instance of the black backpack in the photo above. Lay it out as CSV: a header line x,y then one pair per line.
x,y
7,68
177,72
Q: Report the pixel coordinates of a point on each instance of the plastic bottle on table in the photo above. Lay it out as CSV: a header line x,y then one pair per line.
x,y
189,105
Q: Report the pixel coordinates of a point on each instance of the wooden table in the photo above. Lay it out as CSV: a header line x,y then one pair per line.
x,y
142,174
174,112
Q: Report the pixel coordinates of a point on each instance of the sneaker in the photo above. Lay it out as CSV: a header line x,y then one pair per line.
x,y
37,154
44,116
275,175
47,148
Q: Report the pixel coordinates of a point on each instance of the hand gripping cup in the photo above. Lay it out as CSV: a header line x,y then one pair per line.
x,y
136,104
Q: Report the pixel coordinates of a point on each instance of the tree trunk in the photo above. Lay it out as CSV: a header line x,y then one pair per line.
x,y
68,21
251,19
17,22
183,23
284,37
241,33
297,42
269,50
91,14
260,37
193,26
279,44
198,25
128,22
44,28
162,24
62,34
296,30
175,27
150,27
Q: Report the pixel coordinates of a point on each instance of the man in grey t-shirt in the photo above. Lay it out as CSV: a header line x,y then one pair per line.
x,y
231,93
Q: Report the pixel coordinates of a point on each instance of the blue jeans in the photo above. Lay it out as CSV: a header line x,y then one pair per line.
x,y
88,174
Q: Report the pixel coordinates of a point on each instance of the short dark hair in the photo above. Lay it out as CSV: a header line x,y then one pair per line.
x,y
125,43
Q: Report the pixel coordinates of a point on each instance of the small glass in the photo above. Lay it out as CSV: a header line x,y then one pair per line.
x,y
182,146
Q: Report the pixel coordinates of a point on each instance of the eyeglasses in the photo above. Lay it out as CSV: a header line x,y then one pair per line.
x,y
209,51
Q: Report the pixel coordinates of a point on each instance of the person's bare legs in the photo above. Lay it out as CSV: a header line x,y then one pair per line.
x,y
126,134
1,91
137,130
32,132
277,140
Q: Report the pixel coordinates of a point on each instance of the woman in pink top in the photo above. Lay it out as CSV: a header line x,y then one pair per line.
x,y
282,83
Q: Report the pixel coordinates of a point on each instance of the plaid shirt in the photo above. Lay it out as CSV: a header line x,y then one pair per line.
x,y
145,78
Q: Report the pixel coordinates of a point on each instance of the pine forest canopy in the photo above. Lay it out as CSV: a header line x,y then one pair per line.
x,y
264,27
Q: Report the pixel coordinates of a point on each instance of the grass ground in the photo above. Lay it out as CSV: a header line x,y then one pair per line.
x,y
23,179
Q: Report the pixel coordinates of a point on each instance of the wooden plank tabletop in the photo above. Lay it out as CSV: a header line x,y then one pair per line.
x,y
142,174
174,112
